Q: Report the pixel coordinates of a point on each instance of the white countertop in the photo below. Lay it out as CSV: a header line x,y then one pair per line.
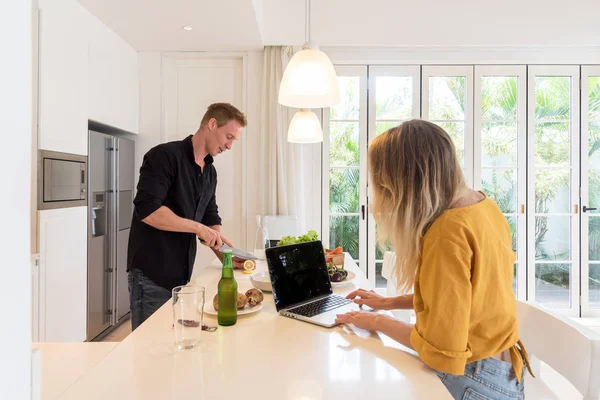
x,y
63,363
263,355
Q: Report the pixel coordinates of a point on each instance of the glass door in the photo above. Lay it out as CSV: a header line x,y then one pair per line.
x,y
394,97
553,187
448,102
590,191
500,154
344,166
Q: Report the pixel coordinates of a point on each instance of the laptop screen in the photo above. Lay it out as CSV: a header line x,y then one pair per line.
x,y
298,273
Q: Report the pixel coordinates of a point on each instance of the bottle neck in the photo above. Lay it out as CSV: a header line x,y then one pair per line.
x,y
227,266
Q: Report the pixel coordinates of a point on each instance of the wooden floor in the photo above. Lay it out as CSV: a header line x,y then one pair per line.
x,y
120,333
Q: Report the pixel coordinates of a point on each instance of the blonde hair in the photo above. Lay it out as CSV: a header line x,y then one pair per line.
x,y
415,176
223,113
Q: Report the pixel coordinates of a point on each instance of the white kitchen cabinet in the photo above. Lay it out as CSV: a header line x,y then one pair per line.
x,y
113,78
63,274
63,76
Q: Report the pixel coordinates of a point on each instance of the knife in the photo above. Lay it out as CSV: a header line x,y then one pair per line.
x,y
236,252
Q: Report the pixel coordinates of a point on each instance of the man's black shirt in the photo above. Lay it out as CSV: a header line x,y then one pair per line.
x,y
170,177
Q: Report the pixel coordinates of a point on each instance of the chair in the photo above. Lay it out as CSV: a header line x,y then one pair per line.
x,y
571,349
279,226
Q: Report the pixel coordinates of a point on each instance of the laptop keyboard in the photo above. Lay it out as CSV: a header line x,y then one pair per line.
x,y
320,306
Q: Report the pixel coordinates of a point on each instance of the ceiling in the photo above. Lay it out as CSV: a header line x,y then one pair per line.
x,y
225,25
157,25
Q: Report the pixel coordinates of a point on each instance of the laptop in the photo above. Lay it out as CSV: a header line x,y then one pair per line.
x,y
301,285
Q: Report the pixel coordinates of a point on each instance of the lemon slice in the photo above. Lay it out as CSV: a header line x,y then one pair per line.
x,y
248,266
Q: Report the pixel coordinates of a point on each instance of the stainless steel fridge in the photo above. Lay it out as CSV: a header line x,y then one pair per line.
x,y
110,208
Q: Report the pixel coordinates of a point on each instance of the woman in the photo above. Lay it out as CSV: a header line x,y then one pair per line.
x,y
453,247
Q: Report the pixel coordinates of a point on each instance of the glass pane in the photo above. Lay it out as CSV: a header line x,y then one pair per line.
x,y
394,97
594,237
381,127
499,96
447,97
501,186
552,98
552,190
594,288
343,231
343,149
552,238
349,106
456,130
552,284
343,190
594,97
594,142
499,144
594,189
552,143
512,223
380,281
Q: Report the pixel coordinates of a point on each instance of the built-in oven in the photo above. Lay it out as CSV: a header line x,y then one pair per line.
x,y
62,180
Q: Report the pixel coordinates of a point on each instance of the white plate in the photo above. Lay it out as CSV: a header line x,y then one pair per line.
x,y
209,309
346,281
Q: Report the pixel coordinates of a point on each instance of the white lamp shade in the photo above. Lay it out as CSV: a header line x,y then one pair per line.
x,y
309,81
305,128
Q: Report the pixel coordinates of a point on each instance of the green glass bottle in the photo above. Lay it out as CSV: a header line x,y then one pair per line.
x,y
227,293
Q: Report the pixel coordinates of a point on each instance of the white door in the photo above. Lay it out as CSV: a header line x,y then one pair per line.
x,y
191,84
344,166
500,155
394,97
448,102
590,191
553,187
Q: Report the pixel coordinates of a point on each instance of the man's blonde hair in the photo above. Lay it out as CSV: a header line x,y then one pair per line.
x,y
223,113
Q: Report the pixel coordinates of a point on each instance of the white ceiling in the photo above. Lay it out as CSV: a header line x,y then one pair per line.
x,y
155,25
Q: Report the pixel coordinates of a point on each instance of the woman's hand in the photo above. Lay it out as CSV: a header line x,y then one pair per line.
x,y
370,298
360,319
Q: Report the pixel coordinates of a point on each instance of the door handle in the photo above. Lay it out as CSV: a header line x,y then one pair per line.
x,y
586,209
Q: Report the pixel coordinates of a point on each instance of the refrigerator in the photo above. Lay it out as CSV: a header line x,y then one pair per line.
x,y
110,208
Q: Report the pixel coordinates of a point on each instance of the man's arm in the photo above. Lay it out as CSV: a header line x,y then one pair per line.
x,y
156,177
165,219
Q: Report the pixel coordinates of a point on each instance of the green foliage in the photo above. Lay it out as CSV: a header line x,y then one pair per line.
x,y
310,236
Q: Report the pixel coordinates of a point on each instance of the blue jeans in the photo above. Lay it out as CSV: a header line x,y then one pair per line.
x,y
145,297
488,379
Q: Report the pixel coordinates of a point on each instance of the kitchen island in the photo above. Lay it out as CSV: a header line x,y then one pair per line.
x,y
263,356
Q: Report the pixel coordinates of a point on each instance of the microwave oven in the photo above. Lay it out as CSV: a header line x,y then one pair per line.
x,y
62,180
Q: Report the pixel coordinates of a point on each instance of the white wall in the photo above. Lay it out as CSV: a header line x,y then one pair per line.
x,y
15,122
434,22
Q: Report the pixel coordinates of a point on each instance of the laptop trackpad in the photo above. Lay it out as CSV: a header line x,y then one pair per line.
x,y
328,318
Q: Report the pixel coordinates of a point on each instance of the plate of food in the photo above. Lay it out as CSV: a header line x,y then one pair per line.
x,y
335,266
248,303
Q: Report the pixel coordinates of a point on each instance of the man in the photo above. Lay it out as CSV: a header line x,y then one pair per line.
x,y
174,205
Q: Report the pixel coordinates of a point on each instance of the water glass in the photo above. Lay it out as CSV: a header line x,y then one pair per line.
x,y
188,308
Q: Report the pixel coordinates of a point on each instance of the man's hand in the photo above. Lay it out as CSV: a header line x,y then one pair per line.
x,y
209,237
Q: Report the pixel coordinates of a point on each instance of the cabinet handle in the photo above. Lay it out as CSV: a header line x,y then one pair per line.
x,y
576,208
522,208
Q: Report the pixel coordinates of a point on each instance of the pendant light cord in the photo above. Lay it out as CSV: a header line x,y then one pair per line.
x,y
307,21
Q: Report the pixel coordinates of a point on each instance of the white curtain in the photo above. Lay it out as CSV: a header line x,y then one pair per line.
x,y
283,187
